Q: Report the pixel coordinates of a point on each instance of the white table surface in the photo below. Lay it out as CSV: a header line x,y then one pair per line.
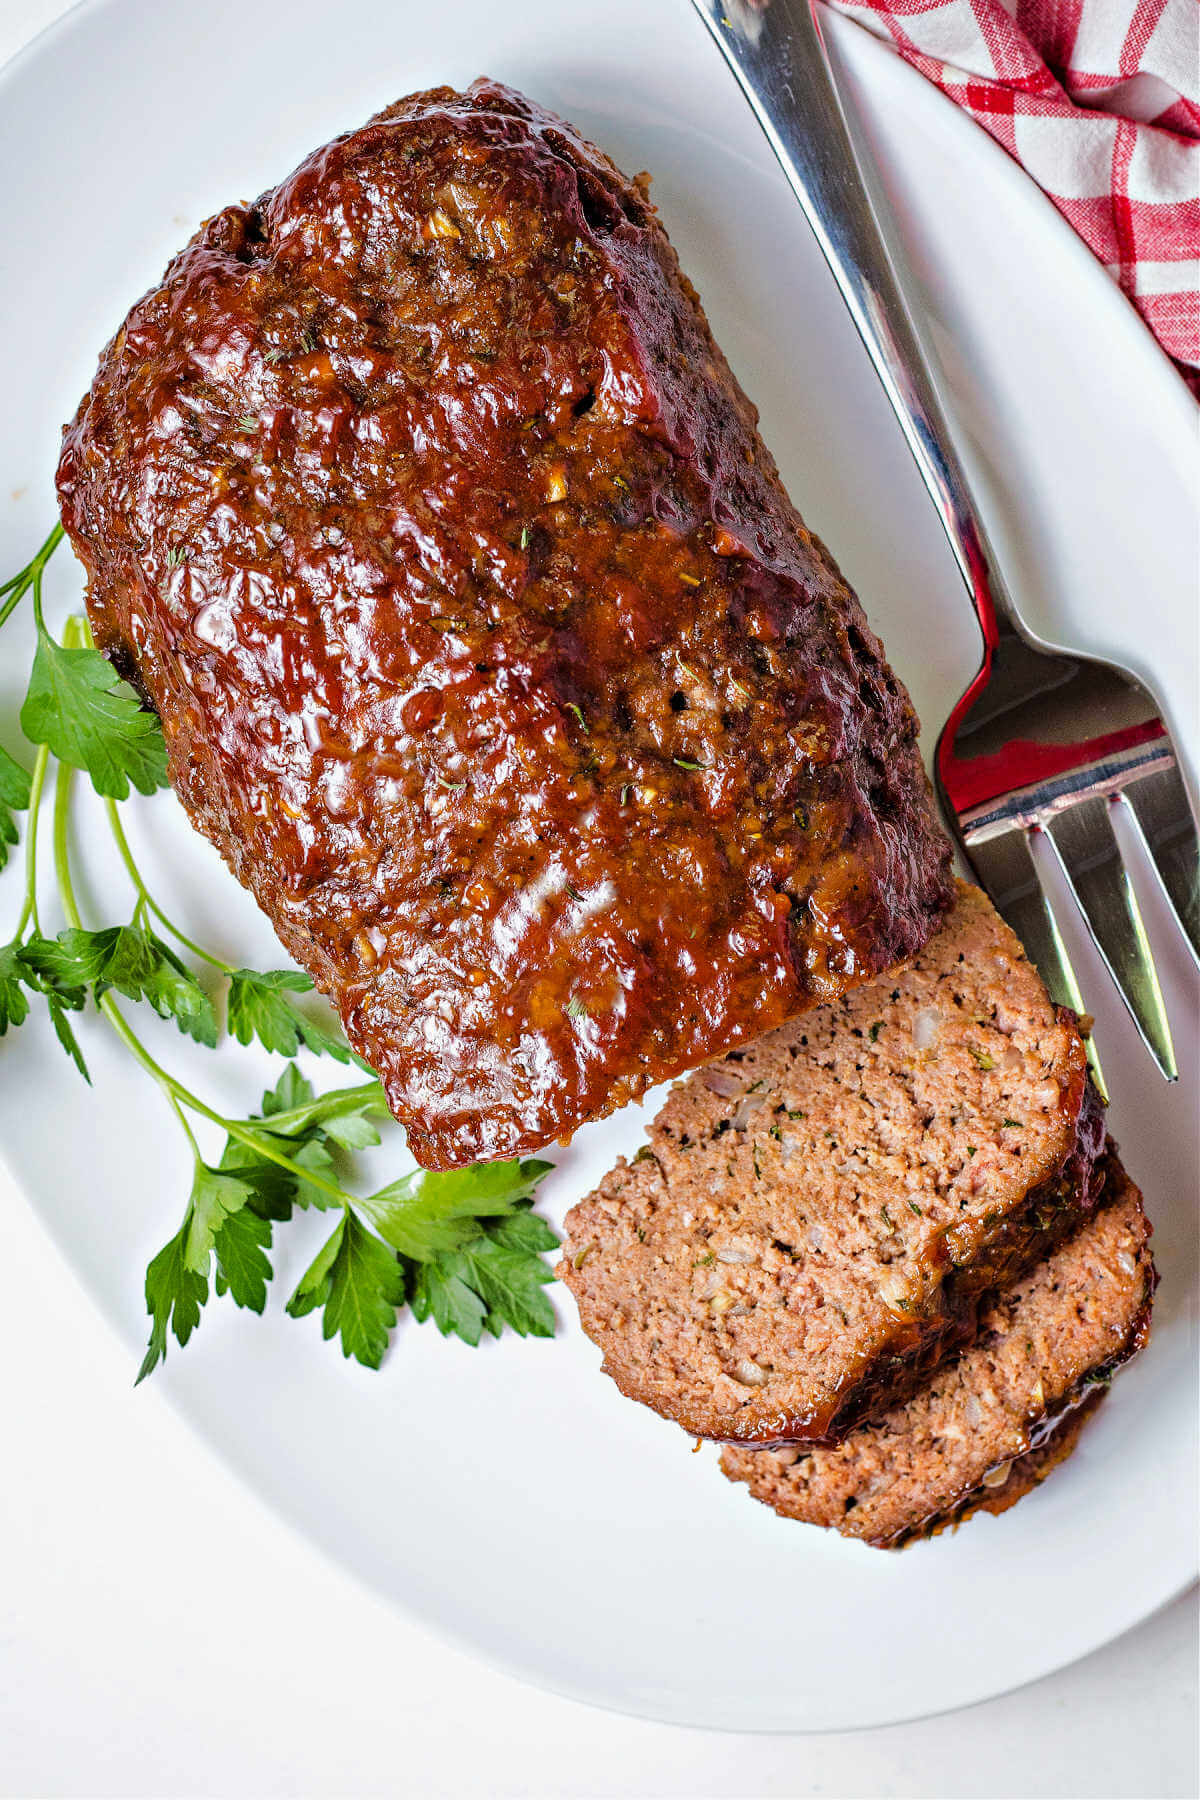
x,y
162,1634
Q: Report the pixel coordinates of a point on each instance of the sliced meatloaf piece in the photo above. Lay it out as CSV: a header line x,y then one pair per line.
x,y
489,649
989,1425
813,1219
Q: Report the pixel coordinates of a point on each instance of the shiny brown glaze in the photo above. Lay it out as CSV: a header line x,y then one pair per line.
x,y
490,653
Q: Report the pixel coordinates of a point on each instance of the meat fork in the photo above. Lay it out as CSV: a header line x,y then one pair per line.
x,y
1042,743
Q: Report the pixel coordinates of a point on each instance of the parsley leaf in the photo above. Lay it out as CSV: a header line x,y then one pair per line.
x,y
216,1196
174,1296
76,705
14,977
328,1043
474,1272
18,973
177,1279
243,1270
48,973
307,1142
426,1212
14,798
174,993
353,1131
64,1033
440,1294
134,962
524,1231
511,1284
273,1189
290,1091
505,1281
313,1153
359,1285
259,1008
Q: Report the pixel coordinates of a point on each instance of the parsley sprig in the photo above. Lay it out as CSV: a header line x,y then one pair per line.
x,y
463,1249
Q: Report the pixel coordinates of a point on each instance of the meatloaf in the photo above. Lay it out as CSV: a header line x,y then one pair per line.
x,y
988,1426
420,504
809,1228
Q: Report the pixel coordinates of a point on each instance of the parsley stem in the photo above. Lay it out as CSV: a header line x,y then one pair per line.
x,y
36,582
30,908
258,1140
107,1005
177,1095
15,589
328,1106
183,1120
146,898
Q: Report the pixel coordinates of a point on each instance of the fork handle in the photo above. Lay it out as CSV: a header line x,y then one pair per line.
x,y
776,51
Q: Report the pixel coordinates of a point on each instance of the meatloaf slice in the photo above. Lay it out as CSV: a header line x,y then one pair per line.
x,y
988,1426
810,1225
489,649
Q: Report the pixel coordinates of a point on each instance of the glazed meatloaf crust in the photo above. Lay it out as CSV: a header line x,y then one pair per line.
x,y
811,1224
989,1425
421,505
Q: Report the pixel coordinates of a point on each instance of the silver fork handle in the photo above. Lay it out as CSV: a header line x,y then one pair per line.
x,y
776,51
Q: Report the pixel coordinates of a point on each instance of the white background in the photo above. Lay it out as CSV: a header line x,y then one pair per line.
x,y
162,1633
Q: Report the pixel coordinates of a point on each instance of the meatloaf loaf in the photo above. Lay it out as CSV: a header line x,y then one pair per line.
x,y
419,502
809,1228
989,1425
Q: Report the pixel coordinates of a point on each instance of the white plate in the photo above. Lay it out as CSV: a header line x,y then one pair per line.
x,y
508,1496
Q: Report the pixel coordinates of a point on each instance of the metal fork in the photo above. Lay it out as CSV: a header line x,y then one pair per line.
x,y
1041,742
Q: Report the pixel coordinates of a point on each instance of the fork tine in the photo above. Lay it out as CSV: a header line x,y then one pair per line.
x,y
1082,837
1006,869
1159,805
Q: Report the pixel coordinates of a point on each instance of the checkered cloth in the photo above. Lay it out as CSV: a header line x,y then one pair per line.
x,y
1099,101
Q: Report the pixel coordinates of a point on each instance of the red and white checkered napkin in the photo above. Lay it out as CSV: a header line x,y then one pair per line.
x,y
1098,100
